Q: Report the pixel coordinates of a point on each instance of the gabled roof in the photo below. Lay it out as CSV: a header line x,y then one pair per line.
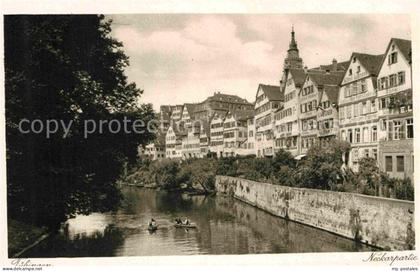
x,y
273,93
404,46
242,114
372,63
219,115
332,92
298,76
190,109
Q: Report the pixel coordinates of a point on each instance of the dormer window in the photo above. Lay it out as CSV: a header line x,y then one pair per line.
x,y
393,58
350,72
354,59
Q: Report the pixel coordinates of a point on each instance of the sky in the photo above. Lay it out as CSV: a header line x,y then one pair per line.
x,y
182,58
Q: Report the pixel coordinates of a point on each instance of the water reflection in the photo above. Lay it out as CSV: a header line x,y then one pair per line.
x,y
225,226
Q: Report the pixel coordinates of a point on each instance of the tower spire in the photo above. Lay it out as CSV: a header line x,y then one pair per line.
x,y
293,44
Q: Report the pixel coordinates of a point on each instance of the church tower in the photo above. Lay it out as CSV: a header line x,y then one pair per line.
x,y
292,60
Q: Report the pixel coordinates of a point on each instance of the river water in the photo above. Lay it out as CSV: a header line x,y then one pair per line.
x,y
225,226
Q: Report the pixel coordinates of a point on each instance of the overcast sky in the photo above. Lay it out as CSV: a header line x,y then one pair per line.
x,y
186,58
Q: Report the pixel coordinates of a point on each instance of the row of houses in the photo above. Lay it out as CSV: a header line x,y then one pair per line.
x,y
366,100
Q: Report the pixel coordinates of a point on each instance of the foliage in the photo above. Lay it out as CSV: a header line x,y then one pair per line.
x,y
69,69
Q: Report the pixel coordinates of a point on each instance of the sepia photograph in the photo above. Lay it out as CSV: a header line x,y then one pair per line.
x,y
208,134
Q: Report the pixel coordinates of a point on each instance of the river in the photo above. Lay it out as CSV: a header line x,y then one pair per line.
x,y
225,226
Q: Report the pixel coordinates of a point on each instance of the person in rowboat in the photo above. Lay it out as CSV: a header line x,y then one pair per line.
x,y
152,223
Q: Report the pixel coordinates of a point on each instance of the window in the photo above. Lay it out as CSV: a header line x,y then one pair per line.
x,y
350,72
374,133
401,78
375,154
393,58
397,129
349,111
388,163
350,135
381,83
393,80
354,88
410,128
343,135
357,134
358,69
373,106
347,90
383,103
400,163
363,85
365,134
390,130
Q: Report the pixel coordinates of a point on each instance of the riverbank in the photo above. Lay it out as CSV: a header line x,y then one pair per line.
x,y
380,222
22,237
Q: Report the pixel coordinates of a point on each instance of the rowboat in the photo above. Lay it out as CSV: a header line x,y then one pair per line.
x,y
152,227
190,226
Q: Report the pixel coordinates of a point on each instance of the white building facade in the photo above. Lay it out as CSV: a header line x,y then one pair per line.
x,y
396,126
358,107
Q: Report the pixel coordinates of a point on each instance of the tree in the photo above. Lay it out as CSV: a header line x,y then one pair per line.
x,y
322,166
66,68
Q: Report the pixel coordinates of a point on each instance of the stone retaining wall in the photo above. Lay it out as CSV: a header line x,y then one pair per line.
x,y
381,222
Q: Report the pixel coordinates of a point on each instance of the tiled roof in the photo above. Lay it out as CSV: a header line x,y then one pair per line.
x,y
298,76
372,63
341,66
332,93
243,114
404,46
217,96
273,92
333,78
190,109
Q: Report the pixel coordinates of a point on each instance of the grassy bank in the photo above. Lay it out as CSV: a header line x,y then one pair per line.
x,y
322,168
21,235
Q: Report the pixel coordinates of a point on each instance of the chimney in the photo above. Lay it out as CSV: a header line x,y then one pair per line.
x,y
334,65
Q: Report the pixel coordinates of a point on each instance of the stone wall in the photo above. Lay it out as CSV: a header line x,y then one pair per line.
x,y
382,222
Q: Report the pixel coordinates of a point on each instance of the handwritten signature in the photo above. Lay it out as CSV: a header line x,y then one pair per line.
x,y
391,258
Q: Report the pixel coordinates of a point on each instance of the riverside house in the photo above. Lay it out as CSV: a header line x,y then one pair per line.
x,y
174,142
235,133
309,97
358,107
395,96
287,132
216,134
269,99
